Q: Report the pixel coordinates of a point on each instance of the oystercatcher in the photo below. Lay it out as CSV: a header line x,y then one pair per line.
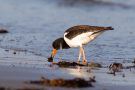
x,y
77,36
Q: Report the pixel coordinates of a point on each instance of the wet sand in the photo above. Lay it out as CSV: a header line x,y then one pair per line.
x,y
33,25
15,76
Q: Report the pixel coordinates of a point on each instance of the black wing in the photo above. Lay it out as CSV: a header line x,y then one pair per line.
x,y
76,30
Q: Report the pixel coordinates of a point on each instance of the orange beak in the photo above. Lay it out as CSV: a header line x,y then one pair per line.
x,y
54,51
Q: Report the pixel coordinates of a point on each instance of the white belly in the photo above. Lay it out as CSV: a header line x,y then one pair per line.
x,y
81,39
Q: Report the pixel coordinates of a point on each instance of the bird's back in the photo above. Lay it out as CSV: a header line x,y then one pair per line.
x,y
79,29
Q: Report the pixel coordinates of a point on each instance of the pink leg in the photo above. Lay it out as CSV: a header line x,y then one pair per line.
x,y
85,62
80,53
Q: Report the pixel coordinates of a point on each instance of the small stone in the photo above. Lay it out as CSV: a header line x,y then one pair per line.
x,y
3,31
14,52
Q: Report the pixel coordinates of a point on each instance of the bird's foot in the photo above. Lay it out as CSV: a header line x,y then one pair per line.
x,y
85,62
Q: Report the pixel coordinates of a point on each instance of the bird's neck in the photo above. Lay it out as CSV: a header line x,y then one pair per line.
x,y
65,45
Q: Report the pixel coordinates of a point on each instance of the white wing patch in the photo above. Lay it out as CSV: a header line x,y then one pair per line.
x,y
79,40
66,33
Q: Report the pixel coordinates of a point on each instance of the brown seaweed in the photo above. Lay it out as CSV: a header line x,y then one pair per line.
x,y
68,64
75,83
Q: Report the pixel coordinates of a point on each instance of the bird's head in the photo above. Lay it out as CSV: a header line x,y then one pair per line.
x,y
57,44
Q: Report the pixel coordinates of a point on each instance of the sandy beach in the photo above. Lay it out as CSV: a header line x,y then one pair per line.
x,y
15,76
33,25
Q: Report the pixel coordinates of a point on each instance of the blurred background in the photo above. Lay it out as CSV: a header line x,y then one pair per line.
x,y
34,24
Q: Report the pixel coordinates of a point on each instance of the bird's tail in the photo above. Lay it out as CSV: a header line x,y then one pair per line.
x,y
109,28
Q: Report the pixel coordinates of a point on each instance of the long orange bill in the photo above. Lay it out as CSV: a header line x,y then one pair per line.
x,y
54,51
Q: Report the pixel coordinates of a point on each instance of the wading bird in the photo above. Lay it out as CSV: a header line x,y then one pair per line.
x,y
77,36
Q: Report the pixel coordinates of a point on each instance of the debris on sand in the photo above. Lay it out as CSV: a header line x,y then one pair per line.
x,y
31,88
95,65
14,52
68,64
115,67
133,62
75,83
3,31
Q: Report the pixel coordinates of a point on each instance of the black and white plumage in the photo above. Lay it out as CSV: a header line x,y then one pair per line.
x,y
77,36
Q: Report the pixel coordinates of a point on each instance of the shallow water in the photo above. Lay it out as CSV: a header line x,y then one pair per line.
x,y
34,24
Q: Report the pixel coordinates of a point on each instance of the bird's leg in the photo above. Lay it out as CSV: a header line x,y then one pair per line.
x,y
80,53
85,62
